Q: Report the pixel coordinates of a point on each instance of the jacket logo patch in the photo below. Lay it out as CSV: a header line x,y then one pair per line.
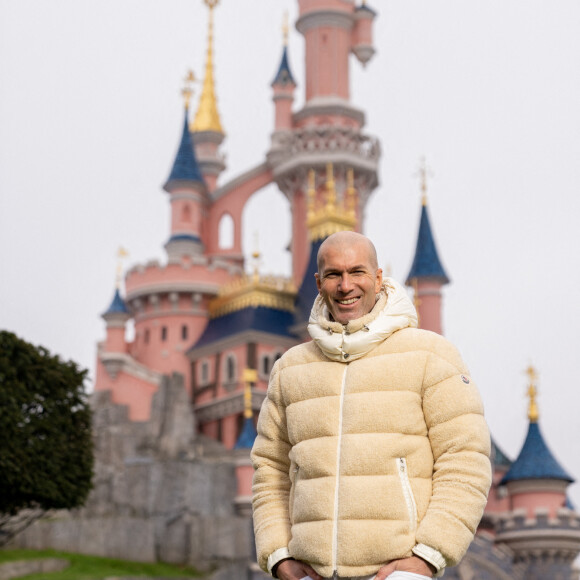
x,y
465,379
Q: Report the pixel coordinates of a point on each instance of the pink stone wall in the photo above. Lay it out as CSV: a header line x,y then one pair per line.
x,y
127,390
233,203
116,339
552,501
429,308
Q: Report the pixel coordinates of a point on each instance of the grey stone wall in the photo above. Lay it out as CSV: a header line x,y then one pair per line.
x,y
161,492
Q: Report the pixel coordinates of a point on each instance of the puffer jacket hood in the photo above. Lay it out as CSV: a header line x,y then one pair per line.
x,y
393,311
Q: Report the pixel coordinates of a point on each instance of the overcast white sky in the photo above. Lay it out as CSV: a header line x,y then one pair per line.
x,y
90,119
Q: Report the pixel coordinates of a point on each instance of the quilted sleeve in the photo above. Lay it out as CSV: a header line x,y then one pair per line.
x,y
271,485
460,442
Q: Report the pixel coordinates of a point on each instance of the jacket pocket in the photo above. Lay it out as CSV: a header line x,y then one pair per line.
x,y
407,492
294,469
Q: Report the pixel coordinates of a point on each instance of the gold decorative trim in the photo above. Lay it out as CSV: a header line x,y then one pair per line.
x,y
253,290
331,216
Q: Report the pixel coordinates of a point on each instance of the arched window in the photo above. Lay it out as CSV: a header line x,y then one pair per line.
x,y
226,232
147,335
164,333
184,332
204,373
186,213
230,369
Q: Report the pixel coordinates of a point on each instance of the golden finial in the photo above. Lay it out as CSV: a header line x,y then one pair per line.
x,y
423,173
256,258
250,376
285,28
121,253
330,188
533,414
207,116
350,201
187,89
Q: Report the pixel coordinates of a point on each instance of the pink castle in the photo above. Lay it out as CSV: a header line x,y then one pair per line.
x,y
200,314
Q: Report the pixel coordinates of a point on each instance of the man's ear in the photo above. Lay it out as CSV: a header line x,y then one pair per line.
x,y
318,282
378,280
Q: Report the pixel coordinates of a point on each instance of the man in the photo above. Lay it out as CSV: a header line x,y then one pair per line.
x,y
372,451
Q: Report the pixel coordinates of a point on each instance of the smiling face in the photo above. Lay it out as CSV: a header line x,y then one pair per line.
x,y
348,277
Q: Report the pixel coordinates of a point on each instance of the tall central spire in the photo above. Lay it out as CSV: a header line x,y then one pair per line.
x,y
207,117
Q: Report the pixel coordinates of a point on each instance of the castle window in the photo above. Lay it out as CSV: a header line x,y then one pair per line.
x,y
204,378
186,214
230,370
184,332
147,335
226,232
164,333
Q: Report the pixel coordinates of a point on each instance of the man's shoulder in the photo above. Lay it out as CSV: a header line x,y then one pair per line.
x,y
304,353
409,339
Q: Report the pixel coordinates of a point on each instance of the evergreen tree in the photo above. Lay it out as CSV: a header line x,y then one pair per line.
x,y
46,450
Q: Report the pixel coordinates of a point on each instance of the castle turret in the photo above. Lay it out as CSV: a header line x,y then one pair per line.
x,y
540,529
283,86
362,33
427,275
208,133
116,317
189,200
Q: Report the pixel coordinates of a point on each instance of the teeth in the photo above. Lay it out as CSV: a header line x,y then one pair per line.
x,y
349,301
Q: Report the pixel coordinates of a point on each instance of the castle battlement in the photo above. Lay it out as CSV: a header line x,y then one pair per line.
x,y
519,520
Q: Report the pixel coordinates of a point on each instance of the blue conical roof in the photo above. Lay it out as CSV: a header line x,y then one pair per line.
x,y
284,74
247,436
117,305
535,460
185,167
308,290
426,263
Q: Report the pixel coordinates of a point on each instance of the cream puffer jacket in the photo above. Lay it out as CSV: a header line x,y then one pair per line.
x,y
371,446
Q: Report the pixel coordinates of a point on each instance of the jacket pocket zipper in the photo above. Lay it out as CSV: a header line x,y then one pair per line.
x,y
407,492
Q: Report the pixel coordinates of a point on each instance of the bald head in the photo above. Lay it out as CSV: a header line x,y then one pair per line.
x,y
348,277
348,240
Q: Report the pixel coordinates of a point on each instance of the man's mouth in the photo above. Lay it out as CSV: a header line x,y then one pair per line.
x,y
347,301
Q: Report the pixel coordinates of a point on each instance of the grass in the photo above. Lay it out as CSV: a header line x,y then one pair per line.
x,y
95,568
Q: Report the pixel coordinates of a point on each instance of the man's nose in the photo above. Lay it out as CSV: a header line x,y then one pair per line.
x,y
345,283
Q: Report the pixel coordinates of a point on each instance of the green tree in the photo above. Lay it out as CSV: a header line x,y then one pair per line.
x,y
46,450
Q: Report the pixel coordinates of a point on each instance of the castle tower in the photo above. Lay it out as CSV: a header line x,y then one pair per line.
x,y
116,317
283,87
328,129
427,275
188,195
208,133
540,529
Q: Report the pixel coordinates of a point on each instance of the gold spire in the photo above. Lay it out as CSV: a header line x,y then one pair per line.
x,y
250,376
121,253
331,216
207,117
187,89
285,28
423,173
533,414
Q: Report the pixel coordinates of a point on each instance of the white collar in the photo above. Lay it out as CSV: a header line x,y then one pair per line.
x,y
345,343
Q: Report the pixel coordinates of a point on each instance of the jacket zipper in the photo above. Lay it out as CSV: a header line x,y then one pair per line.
x,y
407,492
338,453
